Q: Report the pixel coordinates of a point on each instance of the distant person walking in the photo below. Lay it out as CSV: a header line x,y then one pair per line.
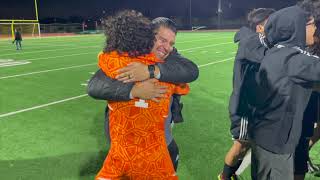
x,y
17,39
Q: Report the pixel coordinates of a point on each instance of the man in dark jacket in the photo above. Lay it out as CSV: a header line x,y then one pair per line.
x,y
175,69
280,93
250,52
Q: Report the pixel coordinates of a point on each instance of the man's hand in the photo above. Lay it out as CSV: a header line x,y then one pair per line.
x,y
133,72
149,89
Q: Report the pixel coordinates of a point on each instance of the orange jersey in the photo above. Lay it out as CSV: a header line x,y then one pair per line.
x,y
138,148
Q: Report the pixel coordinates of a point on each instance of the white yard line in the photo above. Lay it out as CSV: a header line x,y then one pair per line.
x,y
212,45
54,37
41,106
44,46
215,62
180,42
80,96
50,70
69,55
44,58
45,71
49,50
17,63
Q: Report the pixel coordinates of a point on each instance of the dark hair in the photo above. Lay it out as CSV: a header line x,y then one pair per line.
x,y
129,32
258,16
164,22
315,48
312,7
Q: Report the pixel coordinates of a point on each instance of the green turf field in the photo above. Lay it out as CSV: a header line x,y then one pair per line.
x,y
50,129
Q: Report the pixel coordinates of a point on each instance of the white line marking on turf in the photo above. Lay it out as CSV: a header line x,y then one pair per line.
x,y
5,60
50,70
49,50
84,84
14,63
35,59
216,62
212,45
43,58
77,97
42,45
206,38
41,106
205,46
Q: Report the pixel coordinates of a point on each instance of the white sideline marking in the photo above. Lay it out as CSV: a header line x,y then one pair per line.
x,y
14,63
5,60
35,59
205,38
49,50
50,70
84,84
216,62
43,58
83,95
54,37
41,106
212,45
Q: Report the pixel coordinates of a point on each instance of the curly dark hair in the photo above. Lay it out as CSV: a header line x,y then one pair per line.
x,y
315,48
129,32
312,7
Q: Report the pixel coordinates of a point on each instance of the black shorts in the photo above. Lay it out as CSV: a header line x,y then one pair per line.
x,y
301,156
239,129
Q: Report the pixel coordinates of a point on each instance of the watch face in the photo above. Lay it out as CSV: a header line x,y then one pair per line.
x,y
151,70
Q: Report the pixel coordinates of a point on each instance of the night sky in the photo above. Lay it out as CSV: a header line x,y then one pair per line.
x,y
94,8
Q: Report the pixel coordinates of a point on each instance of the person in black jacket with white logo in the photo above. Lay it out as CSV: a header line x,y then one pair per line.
x,y
280,93
250,52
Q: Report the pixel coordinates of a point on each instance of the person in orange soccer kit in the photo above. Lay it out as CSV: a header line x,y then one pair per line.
x,y
138,149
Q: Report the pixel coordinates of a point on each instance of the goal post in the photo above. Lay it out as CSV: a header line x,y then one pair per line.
x,y
28,27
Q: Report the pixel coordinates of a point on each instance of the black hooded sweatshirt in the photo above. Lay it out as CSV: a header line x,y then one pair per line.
x,y
283,83
251,50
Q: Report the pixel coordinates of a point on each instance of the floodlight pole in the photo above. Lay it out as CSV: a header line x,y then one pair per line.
x,y
219,14
190,15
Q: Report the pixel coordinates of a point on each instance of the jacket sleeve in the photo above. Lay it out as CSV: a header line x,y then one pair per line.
x,y
304,69
102,87
178,69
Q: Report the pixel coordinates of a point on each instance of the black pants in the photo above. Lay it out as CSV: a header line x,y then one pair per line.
x,y
301,157
266,165
18,44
